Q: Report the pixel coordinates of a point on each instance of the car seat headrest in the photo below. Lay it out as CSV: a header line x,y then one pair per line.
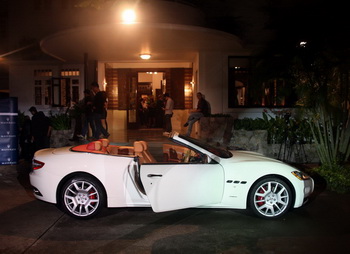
x,y
94,146
104,141
144,144
138,147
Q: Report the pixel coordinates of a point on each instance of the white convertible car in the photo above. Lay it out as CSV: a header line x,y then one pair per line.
x,y
189,173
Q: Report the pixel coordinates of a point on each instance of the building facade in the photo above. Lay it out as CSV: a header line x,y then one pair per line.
x,y
53,50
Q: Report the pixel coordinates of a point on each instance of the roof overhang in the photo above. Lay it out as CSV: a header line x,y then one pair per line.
x,y
125,42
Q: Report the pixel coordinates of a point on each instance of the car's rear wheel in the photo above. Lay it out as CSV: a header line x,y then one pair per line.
x,y
270,198
82,197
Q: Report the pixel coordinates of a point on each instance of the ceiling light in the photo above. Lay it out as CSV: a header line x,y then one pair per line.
x,y
145,56
129,16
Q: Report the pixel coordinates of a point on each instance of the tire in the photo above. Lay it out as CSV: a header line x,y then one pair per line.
x,y
82,197
270,198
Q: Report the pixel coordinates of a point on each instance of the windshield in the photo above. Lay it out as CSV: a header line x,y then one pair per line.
x,y
214,150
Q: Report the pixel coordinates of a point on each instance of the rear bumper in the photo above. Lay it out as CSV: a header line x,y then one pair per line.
x,y
43,190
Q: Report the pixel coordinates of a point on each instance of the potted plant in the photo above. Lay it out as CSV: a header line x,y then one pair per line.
x,y
61,129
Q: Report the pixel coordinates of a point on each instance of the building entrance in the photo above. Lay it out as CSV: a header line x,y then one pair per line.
x,y
139,92
145,100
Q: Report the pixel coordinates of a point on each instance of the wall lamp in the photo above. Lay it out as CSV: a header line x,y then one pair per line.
x,y
145,56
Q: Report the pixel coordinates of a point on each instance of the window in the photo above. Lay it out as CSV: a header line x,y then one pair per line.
x,y
250,87
42,87
61,92
56,91
75,94
48,92
70,72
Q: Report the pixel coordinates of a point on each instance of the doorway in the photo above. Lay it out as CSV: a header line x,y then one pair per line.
x,y
145,100
126,86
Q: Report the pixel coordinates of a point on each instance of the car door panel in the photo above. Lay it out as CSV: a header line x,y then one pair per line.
x,y
176,186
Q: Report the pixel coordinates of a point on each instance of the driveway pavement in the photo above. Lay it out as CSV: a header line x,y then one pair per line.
x,y
31,226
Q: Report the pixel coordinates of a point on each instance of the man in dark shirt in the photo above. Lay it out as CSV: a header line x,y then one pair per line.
x,y
99,110
41,129
195,115
87,114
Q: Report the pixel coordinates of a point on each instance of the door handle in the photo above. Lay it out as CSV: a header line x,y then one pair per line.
x,y
154,175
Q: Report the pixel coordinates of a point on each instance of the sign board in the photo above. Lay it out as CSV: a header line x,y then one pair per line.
x,y
8,131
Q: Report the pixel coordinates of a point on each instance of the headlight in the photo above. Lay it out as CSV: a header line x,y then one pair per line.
x,y
301,175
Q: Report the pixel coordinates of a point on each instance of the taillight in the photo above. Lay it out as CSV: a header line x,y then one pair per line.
x,y
37,164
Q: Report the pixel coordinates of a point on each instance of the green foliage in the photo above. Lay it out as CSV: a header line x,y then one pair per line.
x,y
250,124
60,121
322,79
337,177
332,137
220,115
281,128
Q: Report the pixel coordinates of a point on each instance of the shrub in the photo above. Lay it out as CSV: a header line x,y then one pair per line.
x,y
60,121
337,177
250,124
220,115
280,128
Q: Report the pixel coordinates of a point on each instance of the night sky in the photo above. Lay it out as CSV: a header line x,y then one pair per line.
x,y
281,21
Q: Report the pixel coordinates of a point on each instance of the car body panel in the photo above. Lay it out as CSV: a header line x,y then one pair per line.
x,y
221,179
171,187
238,182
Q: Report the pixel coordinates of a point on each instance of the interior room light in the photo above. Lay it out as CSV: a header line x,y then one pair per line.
x,y
145,56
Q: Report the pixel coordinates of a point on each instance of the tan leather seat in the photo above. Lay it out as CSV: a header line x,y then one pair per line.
x,y
126,150
120,150
141,150
105,144
95,146
104,141
112,150
174,153
138,148
149,157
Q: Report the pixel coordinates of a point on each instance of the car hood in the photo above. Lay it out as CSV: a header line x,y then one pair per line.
x,y
247,156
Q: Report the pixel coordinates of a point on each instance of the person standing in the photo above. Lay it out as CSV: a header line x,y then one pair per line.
x,y
99,111
144,111
195,115
151,112
76,113
160,111
41,129
168,113
87,115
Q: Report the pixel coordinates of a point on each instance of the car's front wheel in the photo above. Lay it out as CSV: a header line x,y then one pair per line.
x,y
270,198
82,197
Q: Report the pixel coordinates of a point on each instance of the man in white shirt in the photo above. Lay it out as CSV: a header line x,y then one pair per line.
x,y
168,112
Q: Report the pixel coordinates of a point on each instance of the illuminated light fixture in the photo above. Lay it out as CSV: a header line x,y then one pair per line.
x,y
145,56
303,44
128,16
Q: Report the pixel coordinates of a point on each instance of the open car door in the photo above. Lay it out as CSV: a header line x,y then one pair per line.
x,y
177,186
